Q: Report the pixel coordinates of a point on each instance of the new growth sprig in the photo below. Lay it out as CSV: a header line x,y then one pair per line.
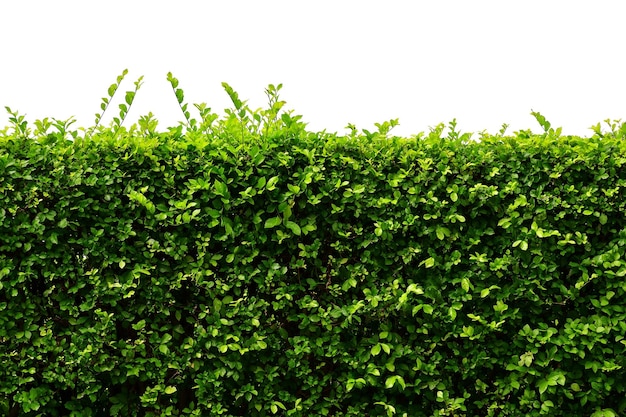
x,y
241,122
21,129
129,98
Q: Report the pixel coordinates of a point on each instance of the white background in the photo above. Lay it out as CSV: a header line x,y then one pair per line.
x,y
484,63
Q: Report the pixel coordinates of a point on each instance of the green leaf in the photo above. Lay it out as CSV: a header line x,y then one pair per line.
x,y
286,212
542,385
505,222
428,263
465,284
526,359
541,120
271,183
173,81
112,89
605,412
391,381
130,95
139,325
521,243
221,188
294,228
272,222
170,389
442,232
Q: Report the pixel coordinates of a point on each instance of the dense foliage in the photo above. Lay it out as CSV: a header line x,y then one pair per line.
x,y
243,266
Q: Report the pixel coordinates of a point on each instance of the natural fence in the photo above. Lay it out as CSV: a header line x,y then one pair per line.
x,y
244,266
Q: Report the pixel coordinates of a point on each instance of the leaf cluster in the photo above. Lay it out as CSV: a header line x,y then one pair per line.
x,y
247,267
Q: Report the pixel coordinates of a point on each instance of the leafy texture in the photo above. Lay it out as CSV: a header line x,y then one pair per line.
x,y
244,266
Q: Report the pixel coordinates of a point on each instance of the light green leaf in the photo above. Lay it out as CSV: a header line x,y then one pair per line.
x,y
442,232
221,188
605,412
170,389
428,263
294,228
286,212
112,89
130,95
521,243
505,223
272,222
139,325
271,183
526,359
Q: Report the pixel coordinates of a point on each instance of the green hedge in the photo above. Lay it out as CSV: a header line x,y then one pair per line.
x,y
251,268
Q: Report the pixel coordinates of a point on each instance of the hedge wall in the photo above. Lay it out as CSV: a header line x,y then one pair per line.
x,y
294,273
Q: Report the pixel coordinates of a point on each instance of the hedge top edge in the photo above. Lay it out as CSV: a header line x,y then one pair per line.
x,y
270,122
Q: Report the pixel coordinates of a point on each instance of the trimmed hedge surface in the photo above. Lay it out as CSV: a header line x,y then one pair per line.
x,y
292,273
